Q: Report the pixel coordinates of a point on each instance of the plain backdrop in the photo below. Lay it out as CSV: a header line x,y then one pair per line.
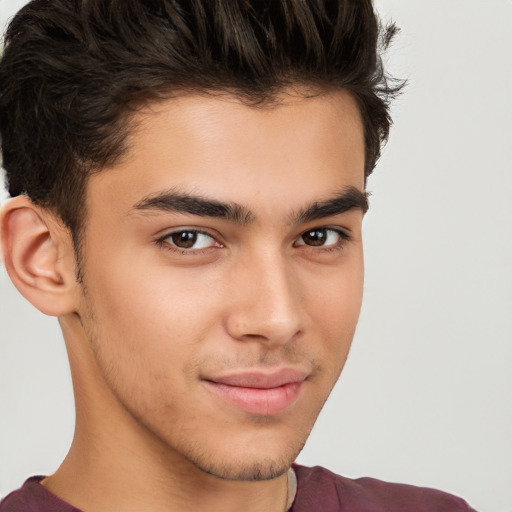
x,y
425,397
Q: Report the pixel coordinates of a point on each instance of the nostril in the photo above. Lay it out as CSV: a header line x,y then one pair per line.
x,y
266,305
263,328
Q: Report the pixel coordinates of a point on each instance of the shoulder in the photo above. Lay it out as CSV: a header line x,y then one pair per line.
x,y
320,489
33,497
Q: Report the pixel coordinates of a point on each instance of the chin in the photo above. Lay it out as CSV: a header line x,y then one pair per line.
x,y
249,456
246,470
246,452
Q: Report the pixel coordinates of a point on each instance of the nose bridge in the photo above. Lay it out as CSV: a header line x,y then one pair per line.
x,y
267,299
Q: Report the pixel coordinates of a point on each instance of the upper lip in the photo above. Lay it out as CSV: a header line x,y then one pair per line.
x,y
261,379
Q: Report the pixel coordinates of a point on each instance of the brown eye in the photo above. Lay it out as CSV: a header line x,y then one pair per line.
x,y
189,239
322,237
184,239
315,237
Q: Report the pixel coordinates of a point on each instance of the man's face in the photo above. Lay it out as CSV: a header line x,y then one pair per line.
x,y
223,272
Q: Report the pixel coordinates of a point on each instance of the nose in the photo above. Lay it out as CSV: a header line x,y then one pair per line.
x,y
266,302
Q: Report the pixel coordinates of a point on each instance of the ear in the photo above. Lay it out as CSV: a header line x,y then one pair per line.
x,y
38,254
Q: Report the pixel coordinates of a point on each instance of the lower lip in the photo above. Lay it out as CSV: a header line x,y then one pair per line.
x,y
262,402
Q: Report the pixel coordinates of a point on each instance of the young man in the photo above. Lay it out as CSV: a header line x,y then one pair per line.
x,y
188,183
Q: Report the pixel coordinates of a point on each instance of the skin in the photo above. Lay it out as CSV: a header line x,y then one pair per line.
x,y
152,323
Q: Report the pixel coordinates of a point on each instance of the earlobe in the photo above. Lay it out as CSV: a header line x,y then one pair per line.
x,y
38,255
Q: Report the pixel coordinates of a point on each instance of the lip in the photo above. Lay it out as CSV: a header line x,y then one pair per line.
x,y
259,393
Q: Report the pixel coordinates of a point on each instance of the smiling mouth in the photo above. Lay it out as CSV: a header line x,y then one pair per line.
x,y
262,394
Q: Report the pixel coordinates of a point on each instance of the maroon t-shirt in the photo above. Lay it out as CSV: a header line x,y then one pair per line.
x,y
318,490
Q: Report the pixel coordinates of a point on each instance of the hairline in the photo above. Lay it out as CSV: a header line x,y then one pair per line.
x,y
135,114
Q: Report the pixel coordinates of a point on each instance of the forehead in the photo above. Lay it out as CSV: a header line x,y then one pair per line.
x,y
216,145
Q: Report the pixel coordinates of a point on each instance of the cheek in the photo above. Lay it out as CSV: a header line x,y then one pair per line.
x,y
335,309
336,295
147,317
146,336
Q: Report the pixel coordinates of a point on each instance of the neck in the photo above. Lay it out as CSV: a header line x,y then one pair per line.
x,y
115,463
132,490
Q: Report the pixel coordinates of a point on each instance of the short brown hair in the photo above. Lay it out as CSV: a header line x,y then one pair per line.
x,y
74,71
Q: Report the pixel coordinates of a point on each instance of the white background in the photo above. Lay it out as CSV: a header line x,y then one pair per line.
x,y
426,396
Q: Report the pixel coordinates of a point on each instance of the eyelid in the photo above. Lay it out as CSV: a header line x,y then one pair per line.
x,y
344,232
162,240
344,236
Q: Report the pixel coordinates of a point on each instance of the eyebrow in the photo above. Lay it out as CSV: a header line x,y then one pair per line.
x,y
171,201
350,198
178,202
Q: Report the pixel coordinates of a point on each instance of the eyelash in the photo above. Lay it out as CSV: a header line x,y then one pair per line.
x,y
344,237
162,241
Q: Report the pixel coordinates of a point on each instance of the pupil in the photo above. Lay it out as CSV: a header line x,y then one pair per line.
x,y
315,237
184,239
